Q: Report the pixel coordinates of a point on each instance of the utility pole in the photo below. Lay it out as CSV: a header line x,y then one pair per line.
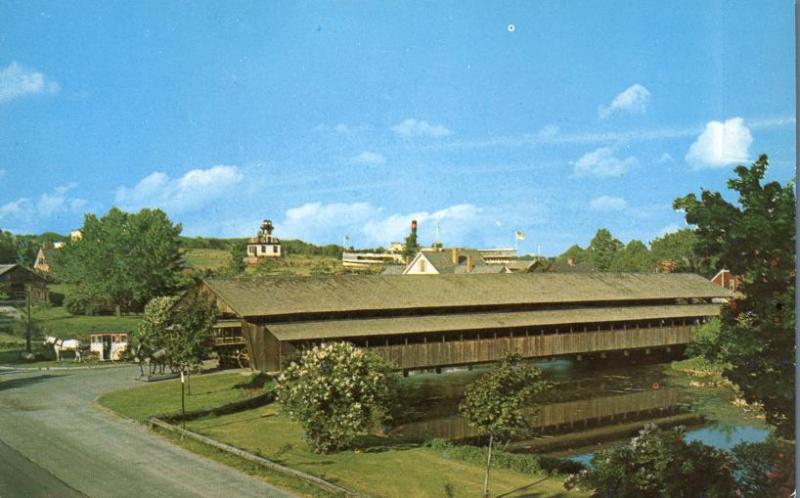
x,y
28,324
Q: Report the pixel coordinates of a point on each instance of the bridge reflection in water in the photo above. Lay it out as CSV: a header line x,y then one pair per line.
x,y
597,416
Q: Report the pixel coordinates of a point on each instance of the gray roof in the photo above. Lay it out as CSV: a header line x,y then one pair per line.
x,y
294,331
291,295
443,260
5,268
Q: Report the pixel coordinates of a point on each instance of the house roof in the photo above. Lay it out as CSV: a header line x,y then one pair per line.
x,y
292,295
7,268
442,261
327,329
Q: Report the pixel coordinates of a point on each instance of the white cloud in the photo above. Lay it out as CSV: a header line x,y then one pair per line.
x,y
416,128
342,129
454,221
17,81
633,99
608,203
548,132
671,228
602,162
665,158
324,222
721,143
26,214
191,191
368,158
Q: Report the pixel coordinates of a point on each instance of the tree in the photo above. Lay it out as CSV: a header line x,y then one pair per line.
x,y
8,248
754,239
237,253
123,258
602,249
635,257
493,404
336,391
659,463
575,253
181,327
675,251
411,247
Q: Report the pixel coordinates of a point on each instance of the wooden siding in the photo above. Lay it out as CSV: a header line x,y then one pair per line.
x,y
532,345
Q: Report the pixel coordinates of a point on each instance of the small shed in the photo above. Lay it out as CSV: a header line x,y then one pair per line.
x,y
109,345
15,280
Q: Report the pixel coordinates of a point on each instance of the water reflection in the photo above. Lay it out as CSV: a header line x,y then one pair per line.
x,y
587,408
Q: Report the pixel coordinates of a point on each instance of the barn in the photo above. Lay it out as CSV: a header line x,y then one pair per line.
x,y
15,280
431,321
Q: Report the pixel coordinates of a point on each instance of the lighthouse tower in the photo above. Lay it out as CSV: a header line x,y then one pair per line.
x,y
263,245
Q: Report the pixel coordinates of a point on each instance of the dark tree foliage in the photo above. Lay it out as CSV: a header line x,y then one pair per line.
x,y
124,259
634,257
602,249
659,463
8,248
675,252
755,239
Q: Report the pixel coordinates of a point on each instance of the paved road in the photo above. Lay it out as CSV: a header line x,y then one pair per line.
x,y
55,442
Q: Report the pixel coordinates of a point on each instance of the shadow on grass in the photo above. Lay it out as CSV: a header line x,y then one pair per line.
x,y
25,381
523,491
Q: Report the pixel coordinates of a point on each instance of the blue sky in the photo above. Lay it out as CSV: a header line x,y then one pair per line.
x,y
351,118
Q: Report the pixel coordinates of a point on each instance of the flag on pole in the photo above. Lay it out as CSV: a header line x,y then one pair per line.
x,y
520,235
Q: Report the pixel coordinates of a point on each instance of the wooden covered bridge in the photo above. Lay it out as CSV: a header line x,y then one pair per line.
x,y
431,321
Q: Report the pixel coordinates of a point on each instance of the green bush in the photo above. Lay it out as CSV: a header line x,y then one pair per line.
x,y
520,462
56,298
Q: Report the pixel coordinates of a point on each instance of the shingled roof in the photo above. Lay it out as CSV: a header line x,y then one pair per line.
x,y
285,295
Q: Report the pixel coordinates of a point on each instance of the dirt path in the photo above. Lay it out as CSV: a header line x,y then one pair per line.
x,y
49,423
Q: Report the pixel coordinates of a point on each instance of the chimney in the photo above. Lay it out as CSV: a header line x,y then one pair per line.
x,y
571,262
414,226
470,264
454,253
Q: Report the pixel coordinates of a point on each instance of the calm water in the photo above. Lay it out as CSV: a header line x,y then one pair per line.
x,y
589,407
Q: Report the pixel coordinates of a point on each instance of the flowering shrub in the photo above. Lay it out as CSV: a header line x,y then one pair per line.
x,y
336,391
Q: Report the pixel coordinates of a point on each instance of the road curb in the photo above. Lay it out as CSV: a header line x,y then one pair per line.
x,y
269,464
58,369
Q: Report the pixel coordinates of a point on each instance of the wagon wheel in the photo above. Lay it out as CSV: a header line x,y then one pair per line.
x,y
243,359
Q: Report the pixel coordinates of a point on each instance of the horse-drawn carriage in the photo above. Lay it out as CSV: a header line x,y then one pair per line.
x,y
109,345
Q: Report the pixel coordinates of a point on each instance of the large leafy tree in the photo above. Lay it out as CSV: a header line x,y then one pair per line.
x,y
674,252
754,238
337,391
494,403
125,259
635,257
603,249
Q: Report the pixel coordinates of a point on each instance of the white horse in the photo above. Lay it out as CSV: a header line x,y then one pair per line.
x,y
60,345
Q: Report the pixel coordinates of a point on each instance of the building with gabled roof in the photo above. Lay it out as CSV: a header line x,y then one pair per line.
x,y
430,321
16,280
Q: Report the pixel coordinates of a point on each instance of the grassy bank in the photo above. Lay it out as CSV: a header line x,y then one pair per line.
x,y
207,259
379,466
57,321
160,398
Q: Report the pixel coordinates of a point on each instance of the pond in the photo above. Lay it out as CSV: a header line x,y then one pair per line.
x,y
589,407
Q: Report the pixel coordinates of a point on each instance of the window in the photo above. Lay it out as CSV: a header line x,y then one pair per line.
x,y
275,249
422,265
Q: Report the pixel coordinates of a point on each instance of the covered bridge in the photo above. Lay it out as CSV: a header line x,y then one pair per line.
x,y
420,322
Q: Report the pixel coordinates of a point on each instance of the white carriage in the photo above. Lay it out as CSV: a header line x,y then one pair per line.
x,y
109,345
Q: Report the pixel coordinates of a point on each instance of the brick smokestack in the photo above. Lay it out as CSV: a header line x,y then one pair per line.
x,y
414,226
455,254
470,264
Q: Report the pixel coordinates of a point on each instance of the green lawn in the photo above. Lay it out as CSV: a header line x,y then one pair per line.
x,y
164,397
381,466
57,321
207,259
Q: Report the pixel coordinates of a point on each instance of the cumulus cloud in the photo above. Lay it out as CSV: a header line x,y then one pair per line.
x,y
671,228
415,128
720,144
189,192
602,162
608,203
367,224
342,129
26,214
633,99
17,81
369,158
665,158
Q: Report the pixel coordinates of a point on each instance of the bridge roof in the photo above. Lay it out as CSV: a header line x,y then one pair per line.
x,y
329,329
291,295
